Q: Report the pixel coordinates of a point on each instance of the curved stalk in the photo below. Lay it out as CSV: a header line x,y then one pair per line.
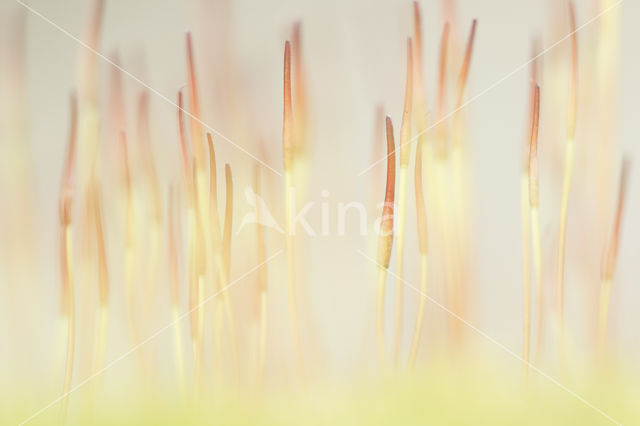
x,y
67,301
526,268
609,259
288,145
534,200
405,156
566,185
385,239
422,240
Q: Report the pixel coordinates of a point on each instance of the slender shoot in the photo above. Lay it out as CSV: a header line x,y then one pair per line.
x,y
566,183
534,200
422,244
405,154
609,259
288,147
385,240
66,245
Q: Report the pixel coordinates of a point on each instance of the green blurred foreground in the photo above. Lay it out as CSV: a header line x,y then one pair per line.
x,y
438,396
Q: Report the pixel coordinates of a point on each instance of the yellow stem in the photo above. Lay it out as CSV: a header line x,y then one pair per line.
x,y
382,278
603,315
129,292
402,201
218,335
101,341
177,336
526,267
443,217
293,309
223,275
154,257
459,198
98,356
200,315
68,368
562,237
537,264
199,338
262,349
421,302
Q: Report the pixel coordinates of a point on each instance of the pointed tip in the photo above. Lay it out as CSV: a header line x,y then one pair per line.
x,y
287,127
573,83
444,42
466,64
385,240
610,254
533,149
297,31
405,128
417,28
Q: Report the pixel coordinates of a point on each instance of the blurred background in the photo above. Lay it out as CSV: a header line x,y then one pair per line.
x,y
355,60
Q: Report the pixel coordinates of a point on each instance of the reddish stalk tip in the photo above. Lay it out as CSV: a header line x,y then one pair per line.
x,y
386,223
573,84
533,149
444,43
287,128
464,73
610,254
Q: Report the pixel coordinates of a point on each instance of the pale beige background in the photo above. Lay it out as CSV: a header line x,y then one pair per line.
x,y
355,59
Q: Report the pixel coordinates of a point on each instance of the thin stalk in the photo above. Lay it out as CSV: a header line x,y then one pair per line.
x,y
199,189
419,97
130,242
67,302
526,225
216,238
226,244
262,281
88,118
262,348
70,319
441,174
458,178
405,157
385,239
199,275
526,268
399,306
422,240
155,225
221,248
300,111
566,185
609,259
196,125
102,313
288,145
174,293
534,200
188,168
603,315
